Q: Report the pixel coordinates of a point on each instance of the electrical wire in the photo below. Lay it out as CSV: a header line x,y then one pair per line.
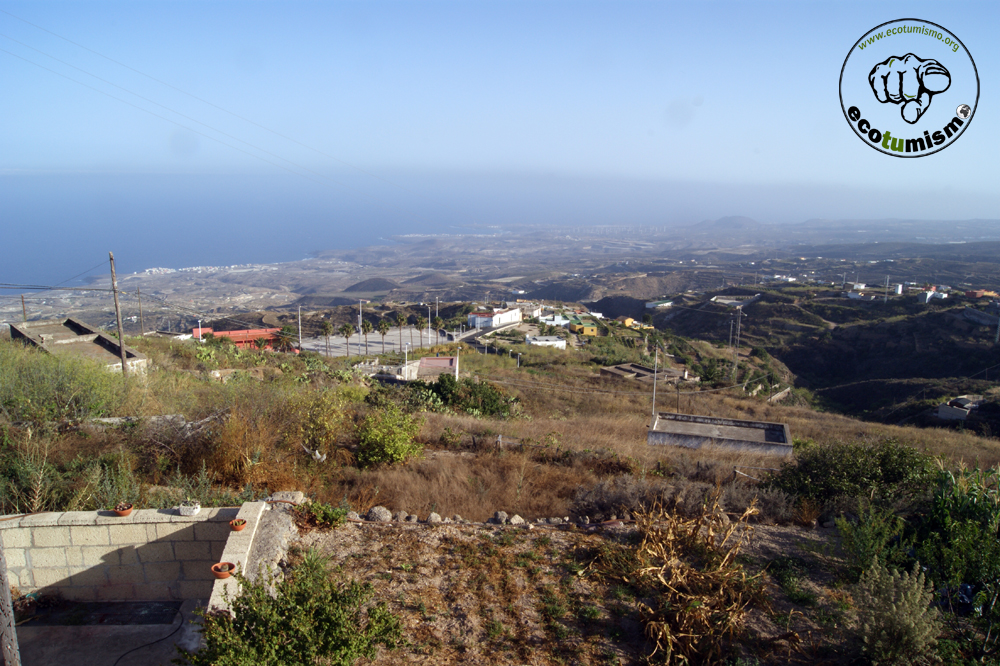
x,y
203,101
156,115
159,640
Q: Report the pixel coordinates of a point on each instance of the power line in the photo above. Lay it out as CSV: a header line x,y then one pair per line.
x,y
156,115
203,101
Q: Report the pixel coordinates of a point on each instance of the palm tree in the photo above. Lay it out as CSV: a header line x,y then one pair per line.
x,y
438,324
383,329
411,334
327,332
347,331
366,328
421,322
261,343
283,340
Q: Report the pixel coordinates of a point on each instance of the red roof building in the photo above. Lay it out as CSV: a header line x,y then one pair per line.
x,y
242,339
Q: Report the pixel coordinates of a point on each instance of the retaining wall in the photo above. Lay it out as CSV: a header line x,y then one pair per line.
x,y
152,554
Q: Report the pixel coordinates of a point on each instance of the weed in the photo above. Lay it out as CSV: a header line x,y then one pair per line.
x,y
689,564
788,572
897,623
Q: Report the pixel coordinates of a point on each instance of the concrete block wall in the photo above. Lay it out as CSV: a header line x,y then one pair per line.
x,y
152,554
237,552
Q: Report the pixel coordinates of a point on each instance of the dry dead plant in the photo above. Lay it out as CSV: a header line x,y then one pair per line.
x,y
244,448
689,565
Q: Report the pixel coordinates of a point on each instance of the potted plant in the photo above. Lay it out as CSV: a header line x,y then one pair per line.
x,y
223,569
237,524
189,507
123,508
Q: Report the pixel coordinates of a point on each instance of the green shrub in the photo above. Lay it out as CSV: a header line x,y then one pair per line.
x,y
322,514
884,472
876,537
40,388
896,622
386,437
310,619
958,541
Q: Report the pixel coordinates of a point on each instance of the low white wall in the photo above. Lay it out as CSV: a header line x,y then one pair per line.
x,y
152,554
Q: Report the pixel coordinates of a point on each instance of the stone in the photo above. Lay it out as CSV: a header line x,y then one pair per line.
x,y
433,518
555,521
400,516
379,514
412,518
445,520
612,517
829,524
353,515
500,517
585,520
457,518
516,520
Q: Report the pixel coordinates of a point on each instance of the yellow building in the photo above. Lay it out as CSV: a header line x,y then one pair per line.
x,y
582,328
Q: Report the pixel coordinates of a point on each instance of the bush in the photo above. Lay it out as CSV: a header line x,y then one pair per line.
x,y
40,388
310,619
897,624
876,537
884,472
386,437
320,514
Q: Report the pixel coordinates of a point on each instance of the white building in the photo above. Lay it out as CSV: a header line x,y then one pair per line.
x,y
493,318
546,341
555,320
658,304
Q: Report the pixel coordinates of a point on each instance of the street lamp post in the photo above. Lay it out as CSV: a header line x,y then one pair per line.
x,y
428,323
199,330
519,360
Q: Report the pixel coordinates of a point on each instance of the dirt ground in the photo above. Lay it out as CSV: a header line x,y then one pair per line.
x,y
481,594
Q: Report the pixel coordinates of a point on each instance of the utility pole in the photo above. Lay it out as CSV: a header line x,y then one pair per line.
x,y
300,328
736,349
142,324
656,362
24,311
437,306
8,633
118,316
359,316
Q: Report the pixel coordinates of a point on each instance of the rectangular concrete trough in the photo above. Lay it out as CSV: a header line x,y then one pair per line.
x,y
152,554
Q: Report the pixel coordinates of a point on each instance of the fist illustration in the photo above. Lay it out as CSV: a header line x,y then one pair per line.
x,y
909,81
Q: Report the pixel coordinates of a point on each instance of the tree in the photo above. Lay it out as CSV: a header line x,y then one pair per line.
x,y
366,328
383,329
411,334
347,331
438,324
283,340
421,322
327,332
261,343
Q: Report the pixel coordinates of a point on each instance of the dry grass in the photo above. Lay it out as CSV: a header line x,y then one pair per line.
x,y
688,565
478,595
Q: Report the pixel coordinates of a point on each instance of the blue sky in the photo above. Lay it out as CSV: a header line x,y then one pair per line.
x,y
737,99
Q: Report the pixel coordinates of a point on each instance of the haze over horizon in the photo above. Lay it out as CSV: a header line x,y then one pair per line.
x,y
420,117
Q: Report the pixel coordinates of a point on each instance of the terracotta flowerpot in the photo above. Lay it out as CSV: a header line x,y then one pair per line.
x,y
219,573
237,524
124,510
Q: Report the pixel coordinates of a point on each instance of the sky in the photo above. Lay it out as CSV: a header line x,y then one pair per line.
x,y
228,132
